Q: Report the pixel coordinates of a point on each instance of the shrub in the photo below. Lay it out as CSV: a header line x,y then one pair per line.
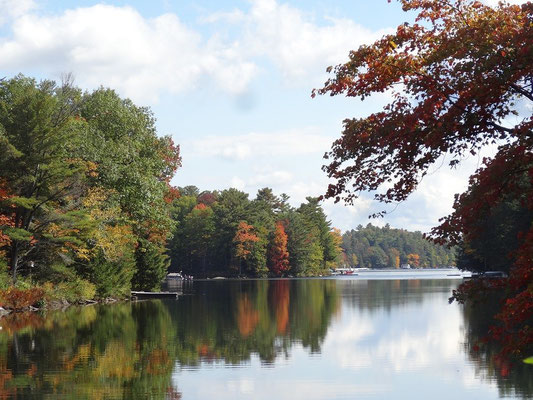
x,y
18,299
5,278
74,291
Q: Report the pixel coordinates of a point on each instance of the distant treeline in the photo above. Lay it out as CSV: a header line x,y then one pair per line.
x,y
374,247
225,233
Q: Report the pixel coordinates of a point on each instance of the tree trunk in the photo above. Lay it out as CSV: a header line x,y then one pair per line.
x,y
14,260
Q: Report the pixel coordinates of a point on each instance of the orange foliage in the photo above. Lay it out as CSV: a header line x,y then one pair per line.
x,y
172,193
7,391
173,394
278,254
158,362
413,259
281,299
441,105
69,363
244,239
247,317
14,322
18,299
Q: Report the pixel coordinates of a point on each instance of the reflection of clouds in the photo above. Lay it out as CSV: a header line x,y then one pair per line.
x,y
389,340
348,355
283,388
397,343
243,386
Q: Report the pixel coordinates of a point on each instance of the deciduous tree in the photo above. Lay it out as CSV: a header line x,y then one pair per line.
x,y
244,241
461,78
454,76
278,255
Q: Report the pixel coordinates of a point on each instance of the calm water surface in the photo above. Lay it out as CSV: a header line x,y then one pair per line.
x,y
346,338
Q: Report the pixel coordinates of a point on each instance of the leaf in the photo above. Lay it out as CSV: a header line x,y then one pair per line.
x,y
24,202
18,234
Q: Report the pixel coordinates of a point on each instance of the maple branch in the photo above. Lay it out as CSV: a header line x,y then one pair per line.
x,y
501,128
522,91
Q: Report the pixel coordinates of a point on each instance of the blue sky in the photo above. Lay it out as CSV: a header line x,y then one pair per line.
x,y
230,81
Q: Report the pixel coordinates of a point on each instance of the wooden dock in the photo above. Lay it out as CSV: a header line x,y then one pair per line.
x,y
153,295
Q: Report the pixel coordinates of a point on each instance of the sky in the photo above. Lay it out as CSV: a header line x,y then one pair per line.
x,y
231,82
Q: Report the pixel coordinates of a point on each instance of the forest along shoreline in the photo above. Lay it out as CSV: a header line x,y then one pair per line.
x,y
87,211
63,304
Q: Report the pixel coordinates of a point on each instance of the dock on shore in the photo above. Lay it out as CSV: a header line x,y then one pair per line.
x,y
153,295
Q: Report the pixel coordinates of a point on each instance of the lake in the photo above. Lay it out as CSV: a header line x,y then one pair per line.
x,y
371,336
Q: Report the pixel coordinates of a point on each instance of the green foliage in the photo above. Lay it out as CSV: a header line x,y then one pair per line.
x,y
39,135
205,238
56,273
111,278
17,234
528,360
5,279
72,291
83,177
497,228
374,247
151,266
257,261
127,351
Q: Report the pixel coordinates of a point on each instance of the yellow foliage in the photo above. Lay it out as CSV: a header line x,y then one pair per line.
x,y
116,362
113,239
92,168
83,253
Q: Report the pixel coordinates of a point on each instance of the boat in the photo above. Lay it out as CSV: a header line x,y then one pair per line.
x,y
487,275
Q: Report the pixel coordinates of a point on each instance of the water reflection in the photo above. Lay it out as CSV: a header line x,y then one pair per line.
x,y
285,339
99,352
230,321
512,379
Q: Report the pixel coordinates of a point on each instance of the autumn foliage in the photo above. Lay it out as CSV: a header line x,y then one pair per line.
x,y
454,76
280,292
278,254
19,299
6,219
84,187
461,78
244,239
247,316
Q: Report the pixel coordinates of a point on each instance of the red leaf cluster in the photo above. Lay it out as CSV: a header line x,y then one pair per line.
x,y
451,87
19,299
6,218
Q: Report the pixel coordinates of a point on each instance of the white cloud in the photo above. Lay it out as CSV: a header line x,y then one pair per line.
x,y
231,17
300,47
237,183
399,347
267,179
252,145
144,57
285,388
14,8
117,47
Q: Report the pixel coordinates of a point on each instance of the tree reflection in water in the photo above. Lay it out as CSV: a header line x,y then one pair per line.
x,y
129,351
512,378
123,351
231,321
